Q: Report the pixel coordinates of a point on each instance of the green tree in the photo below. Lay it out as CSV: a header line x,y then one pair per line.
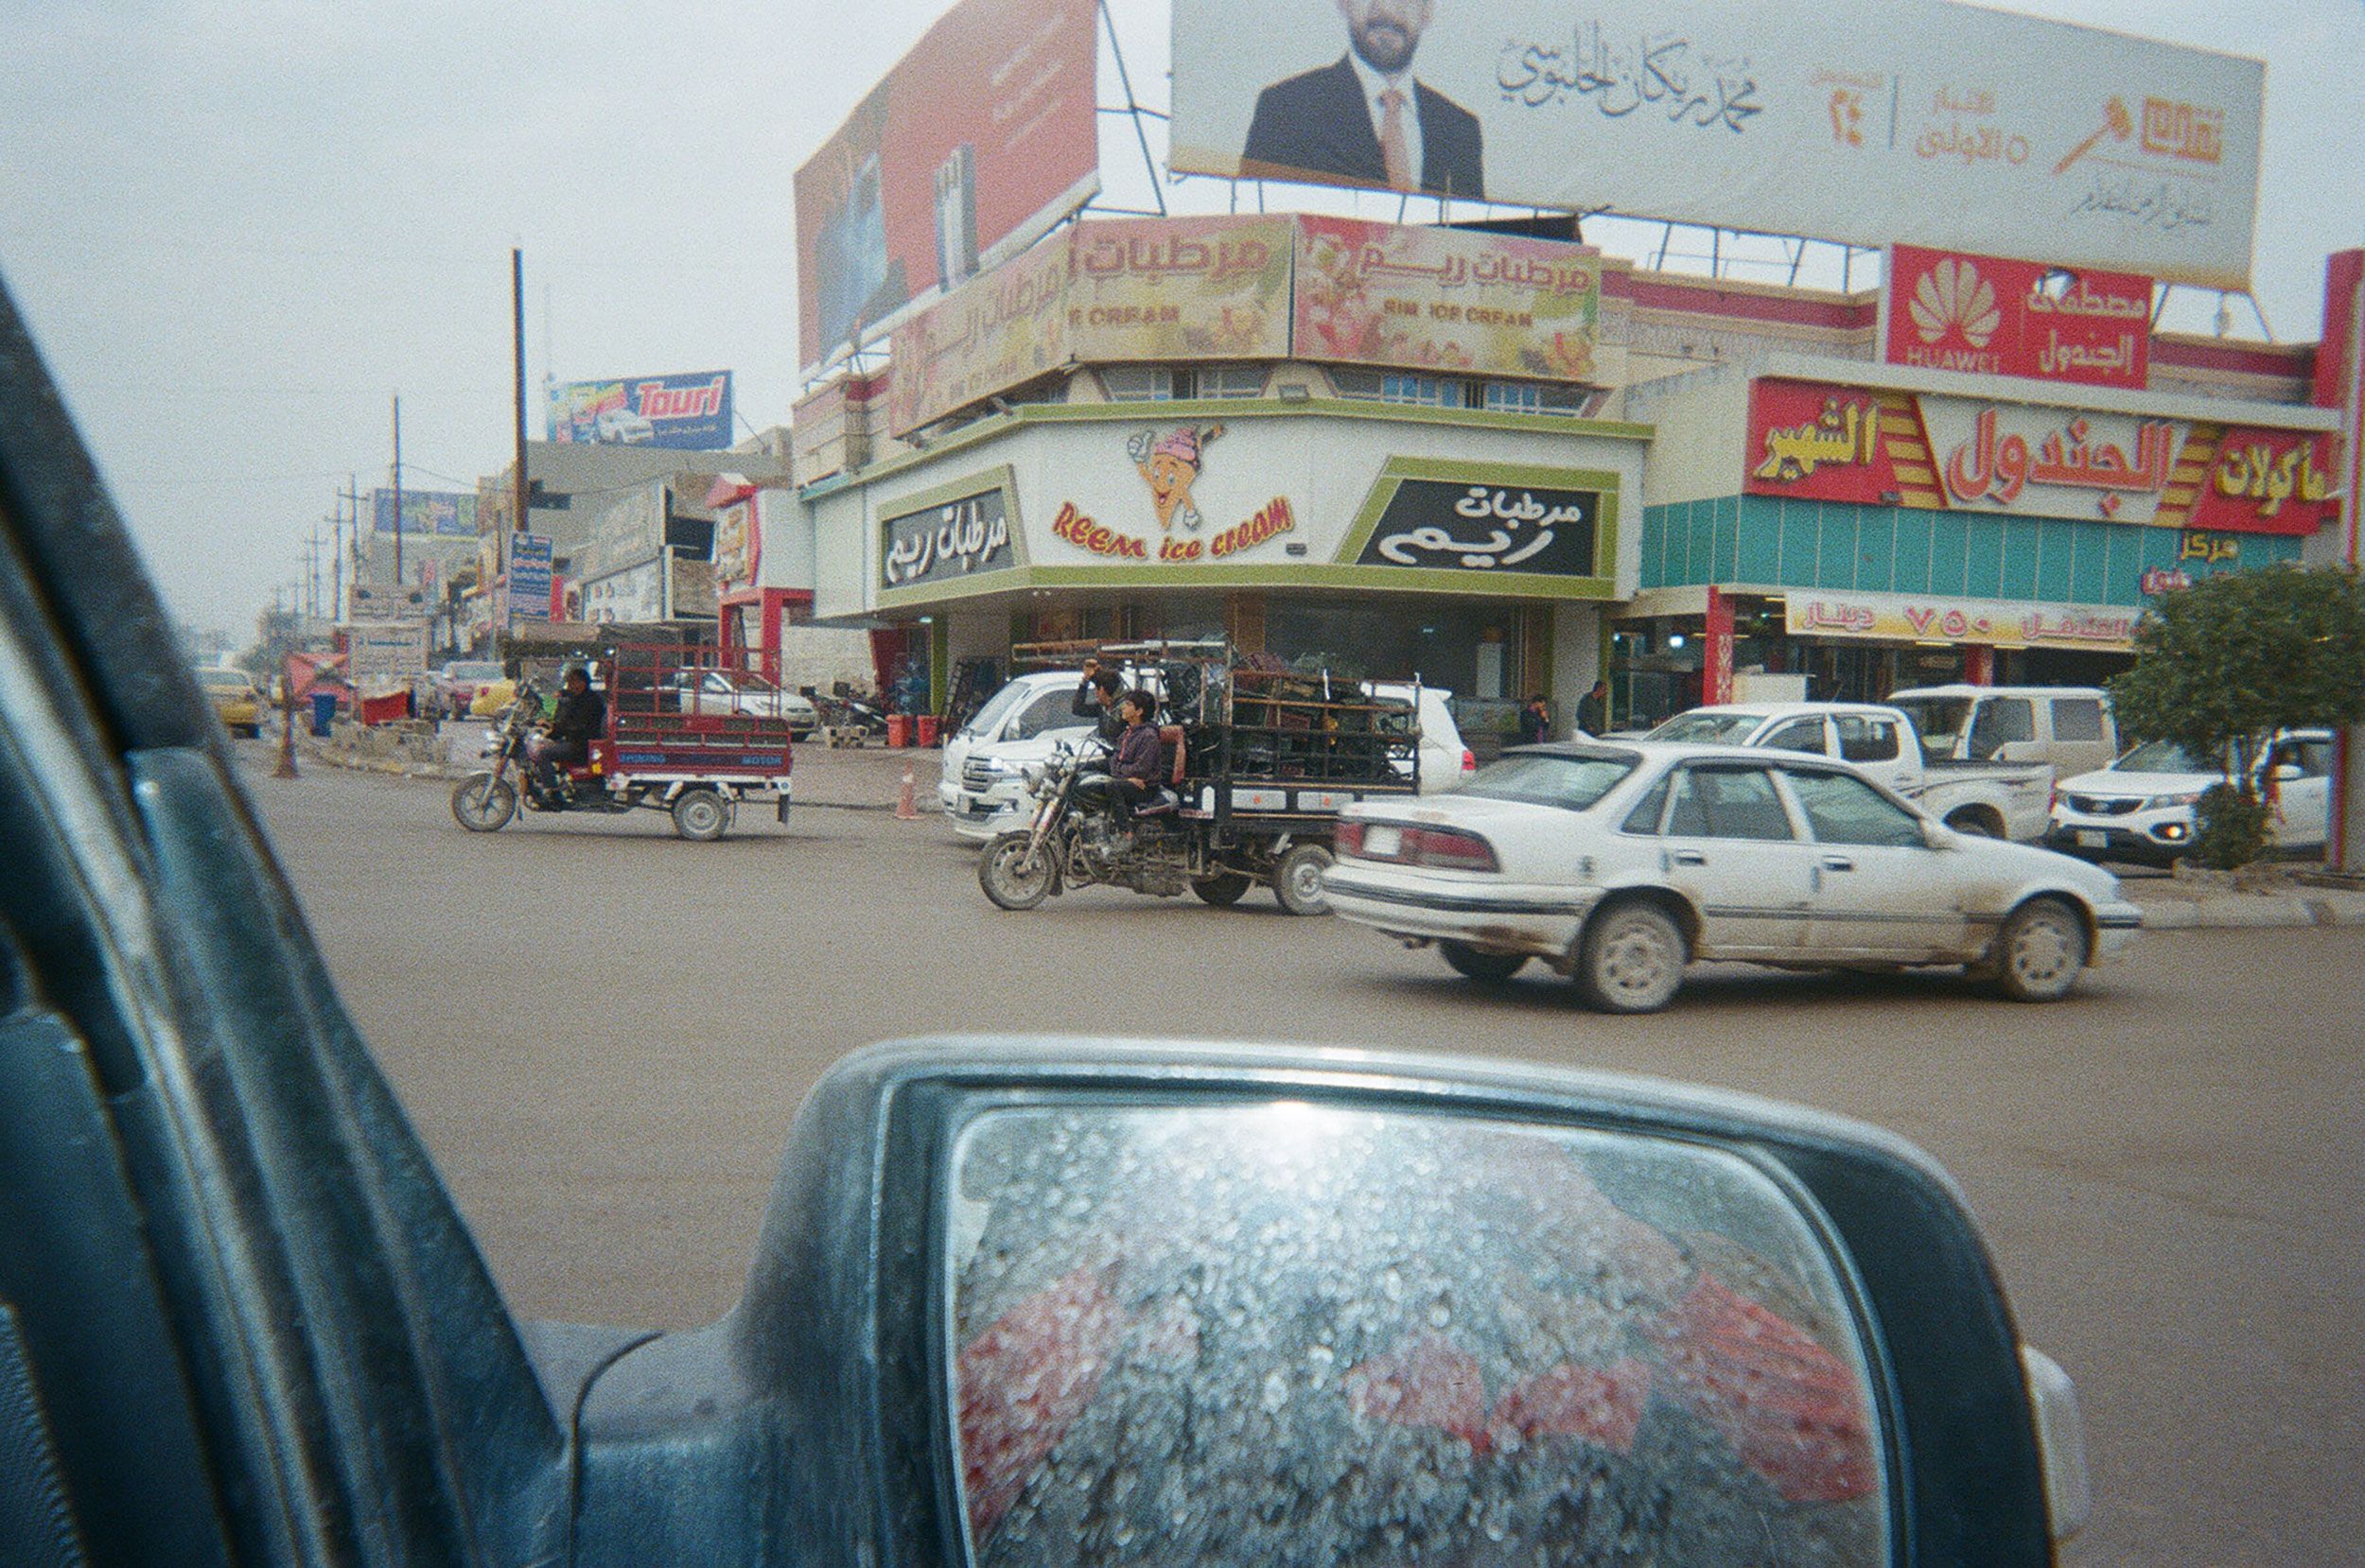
x,y
2222,665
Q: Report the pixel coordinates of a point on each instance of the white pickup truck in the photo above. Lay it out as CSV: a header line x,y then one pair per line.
x,y
2000,800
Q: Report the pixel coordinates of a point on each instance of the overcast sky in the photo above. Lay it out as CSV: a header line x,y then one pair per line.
x,y
239,229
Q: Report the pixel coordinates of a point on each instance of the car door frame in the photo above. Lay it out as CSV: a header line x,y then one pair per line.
x,y
1737,921
1864,905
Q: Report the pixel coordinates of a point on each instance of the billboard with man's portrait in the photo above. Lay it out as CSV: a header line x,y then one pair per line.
x,y
974,145
1920,121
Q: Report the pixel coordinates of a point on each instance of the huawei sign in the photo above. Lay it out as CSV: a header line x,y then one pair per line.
x,y
1953,296
1991,316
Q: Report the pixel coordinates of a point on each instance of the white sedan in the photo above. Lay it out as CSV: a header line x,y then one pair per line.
x,y
1619,864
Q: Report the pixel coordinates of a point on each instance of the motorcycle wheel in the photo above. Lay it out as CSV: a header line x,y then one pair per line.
x,y
483,803
999,876
1297,880
701,815
1222,890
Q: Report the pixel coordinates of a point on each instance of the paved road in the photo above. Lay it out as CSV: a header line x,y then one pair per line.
x,y
602,1033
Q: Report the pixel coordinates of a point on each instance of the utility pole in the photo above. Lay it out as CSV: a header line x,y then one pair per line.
x,y
312,569
350,495
397,483
517,335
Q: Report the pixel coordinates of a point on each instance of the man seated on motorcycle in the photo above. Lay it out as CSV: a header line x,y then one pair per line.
x,y
566,738
1139,768
1096,698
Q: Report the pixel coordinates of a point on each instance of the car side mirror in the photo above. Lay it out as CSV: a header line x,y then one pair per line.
x,y
1936,835
1030,1301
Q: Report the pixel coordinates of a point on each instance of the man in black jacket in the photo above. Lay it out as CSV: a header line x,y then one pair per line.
x,y
1365,119
1096,698
579,715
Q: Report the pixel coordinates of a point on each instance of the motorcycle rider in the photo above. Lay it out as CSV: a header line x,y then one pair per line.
x,y
1096,698
565,738
1135,774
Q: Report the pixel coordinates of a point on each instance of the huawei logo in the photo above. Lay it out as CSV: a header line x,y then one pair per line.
x,y
1952,294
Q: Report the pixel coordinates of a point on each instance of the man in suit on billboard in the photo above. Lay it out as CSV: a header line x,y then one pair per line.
x,y
1365,119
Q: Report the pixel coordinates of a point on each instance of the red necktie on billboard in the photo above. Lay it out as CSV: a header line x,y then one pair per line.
x,y
1393,147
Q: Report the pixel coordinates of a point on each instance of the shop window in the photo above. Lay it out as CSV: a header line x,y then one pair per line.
x,y
1232,381
2076,719
1862,738
1137,383
1531,397
1429,392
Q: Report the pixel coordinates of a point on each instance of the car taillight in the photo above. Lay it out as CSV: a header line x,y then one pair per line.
x,y
1469,760
1347,838
1448,848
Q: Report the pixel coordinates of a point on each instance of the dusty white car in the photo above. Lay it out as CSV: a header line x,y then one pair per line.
x,y
1619,864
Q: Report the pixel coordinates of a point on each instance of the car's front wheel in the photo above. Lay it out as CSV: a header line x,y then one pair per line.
x,y
2040,953
1632,959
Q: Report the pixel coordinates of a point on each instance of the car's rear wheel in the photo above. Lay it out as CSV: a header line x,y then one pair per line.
x,y
1487,969
1975,821
1631,959
2040,953
1297,880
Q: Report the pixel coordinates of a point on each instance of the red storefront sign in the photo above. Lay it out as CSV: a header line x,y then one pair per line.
x,y
1824,442
1946,310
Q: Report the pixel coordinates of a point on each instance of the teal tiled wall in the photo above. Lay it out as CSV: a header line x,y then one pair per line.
x,y
1770,541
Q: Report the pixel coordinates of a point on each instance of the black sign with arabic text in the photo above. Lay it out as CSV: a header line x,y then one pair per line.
x,y
947,542
1487,527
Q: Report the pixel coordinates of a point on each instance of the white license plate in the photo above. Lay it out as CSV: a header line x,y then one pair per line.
x,y
1382,841
2089,838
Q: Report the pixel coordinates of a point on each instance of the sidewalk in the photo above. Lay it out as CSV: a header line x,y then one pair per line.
x,y
2211,903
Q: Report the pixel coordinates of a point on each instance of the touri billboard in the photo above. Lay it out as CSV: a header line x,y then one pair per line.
x,y
692,412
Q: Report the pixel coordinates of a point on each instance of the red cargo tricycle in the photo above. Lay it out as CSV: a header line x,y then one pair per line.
x,y
656,751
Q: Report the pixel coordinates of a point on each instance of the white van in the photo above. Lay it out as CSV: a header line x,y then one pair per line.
x,y
982,785
2068,726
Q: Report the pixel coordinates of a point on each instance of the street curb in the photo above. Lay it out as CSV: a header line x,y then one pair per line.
x,y
2250,912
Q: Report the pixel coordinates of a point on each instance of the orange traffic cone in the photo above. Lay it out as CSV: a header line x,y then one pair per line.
x,y
904,809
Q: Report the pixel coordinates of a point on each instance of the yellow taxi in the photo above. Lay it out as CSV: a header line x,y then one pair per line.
x,y
235,699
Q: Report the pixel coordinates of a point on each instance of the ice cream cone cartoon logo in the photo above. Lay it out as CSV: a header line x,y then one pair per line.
x,y
1168,465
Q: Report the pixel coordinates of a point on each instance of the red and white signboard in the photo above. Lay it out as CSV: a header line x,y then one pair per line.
x,y
1880,447
1948,310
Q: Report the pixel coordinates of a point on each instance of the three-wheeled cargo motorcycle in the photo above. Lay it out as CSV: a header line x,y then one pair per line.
x,y
699,767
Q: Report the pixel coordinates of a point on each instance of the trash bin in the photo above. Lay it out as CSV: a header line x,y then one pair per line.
x,y
898,729
324,712
927,729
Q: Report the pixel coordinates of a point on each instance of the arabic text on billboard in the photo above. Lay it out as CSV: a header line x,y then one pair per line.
x,y
1435,299
691,413
1879,446
528,577
1217,288
453,515
1940,123
908,198
1992,316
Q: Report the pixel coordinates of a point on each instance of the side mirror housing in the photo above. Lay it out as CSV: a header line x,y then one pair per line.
x,y
1024,1300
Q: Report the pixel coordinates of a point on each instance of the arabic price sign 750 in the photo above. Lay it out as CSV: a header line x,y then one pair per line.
x,y
1953,311
1479,528
957,539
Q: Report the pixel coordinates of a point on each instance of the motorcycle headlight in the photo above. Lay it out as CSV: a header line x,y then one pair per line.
x,y
1036,772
